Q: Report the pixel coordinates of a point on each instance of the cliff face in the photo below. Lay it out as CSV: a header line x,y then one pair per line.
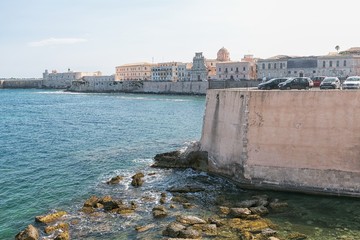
x,y
306,141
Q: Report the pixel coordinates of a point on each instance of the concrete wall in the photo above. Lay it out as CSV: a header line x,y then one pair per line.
x,y
306,141
141,87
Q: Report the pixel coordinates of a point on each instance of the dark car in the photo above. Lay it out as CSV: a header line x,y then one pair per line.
x,y
297,83
317,80
272,83
330,83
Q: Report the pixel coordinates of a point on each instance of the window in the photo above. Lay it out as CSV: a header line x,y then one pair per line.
x,y
231,69
219,69
263,66
269,65
324,63
330,63
243,68
289,72
344,63
274,65
237,69
337,63
281,65
314,71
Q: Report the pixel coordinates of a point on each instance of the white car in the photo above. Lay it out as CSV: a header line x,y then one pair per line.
x,y
351,83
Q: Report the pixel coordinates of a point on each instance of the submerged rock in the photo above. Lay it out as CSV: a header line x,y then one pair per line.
x,y
190,220
63,236
63,226
186,189
173,230
29,233
137,180
240,212
115,180
159,212
144,228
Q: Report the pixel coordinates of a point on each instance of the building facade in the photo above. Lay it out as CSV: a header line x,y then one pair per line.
x,y
184,71
63,80
167,71
198,70
134,71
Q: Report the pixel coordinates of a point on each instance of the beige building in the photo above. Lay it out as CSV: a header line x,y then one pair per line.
x,y
63,80
244,70
167,71
134,71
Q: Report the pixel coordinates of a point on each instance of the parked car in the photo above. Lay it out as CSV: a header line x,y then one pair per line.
x,y
272,83
297,83
351,83
317,80
330,83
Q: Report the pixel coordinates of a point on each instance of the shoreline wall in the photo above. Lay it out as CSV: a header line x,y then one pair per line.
x,y
21,83
306,141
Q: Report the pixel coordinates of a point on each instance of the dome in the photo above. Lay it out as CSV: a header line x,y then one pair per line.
x,y
223,55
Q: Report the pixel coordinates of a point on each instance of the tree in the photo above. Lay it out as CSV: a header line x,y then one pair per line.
x,y
337,47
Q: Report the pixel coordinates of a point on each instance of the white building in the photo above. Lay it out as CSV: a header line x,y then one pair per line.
x,y
167,71
63,80
184,71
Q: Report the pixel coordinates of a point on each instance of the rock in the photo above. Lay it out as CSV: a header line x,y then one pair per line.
x,y
159,212
63,226
240,212
277,205
296,236
29,233
105,199
91,202
273,238
217,222
151,174
261,210
250,225
137,180
172,206
162,200
87,210
173,230
263,200
190,220
268,232
163,194
50,217
189,233
224,210
168,160
111,205
63,236
186,189
208,229
247,203
187,205
179,199
144,228
125,211
115,180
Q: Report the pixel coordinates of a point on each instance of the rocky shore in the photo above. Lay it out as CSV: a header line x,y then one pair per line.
x,y
190,211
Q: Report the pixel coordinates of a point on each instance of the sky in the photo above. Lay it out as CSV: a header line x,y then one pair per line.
x,y
98,35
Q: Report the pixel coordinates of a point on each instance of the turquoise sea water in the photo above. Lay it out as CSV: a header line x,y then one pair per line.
x,y
59,148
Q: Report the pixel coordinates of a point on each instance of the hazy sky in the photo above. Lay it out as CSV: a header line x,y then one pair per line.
x,y
92,35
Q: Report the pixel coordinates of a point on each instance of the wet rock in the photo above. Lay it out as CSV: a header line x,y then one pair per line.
x,y
137,180
159,212
217,222
268,232
277,205
111,205
250,225
63,236
179,199
91,202
224,210
172,206
115,180
190,220
162,200
247,203
50,217
29,233
296,236
62,226
168,160
240,212
273,238
87,210
189,233
187,205
151,174
262,200
125,211
261,210
186,189
207,229
144,228
173,230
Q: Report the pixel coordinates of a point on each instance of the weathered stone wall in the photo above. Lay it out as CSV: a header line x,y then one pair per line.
x,y
293,140
21,83
221,84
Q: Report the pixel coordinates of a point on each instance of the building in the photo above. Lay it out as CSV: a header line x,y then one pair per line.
x,y
244,70
342,64
63,80
167,71
134,71
184,71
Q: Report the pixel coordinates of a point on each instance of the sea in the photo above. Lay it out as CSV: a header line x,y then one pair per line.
x,y
58,148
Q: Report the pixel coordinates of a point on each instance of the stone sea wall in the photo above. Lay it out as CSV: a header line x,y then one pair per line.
x,y
307,141
20,83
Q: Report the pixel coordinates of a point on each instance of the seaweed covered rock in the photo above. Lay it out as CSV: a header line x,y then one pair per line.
x,y
29,233
137,179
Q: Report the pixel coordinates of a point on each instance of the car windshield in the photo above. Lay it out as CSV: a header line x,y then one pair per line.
x,y
329,79
353,79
